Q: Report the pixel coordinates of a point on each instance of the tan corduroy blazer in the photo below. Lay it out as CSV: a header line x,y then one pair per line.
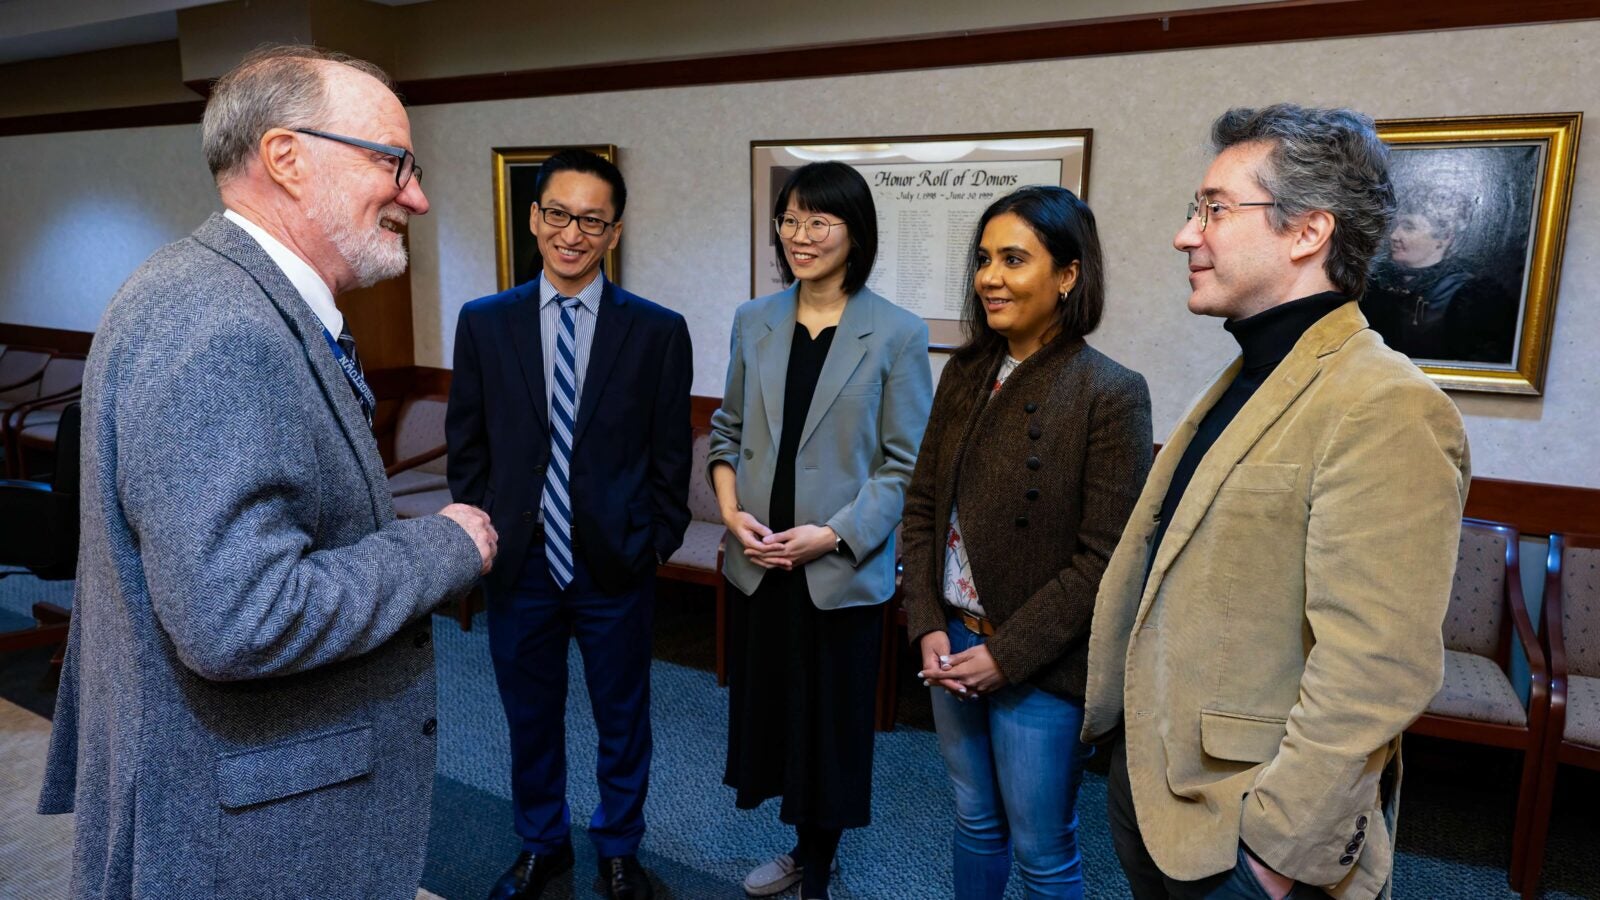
x,y
1289,630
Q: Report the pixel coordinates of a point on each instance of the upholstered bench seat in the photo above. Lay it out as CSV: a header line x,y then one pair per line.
x,y
423,503
1583,711
700,544
1475,689
416,481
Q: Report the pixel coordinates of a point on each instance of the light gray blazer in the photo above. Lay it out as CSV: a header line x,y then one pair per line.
x,y
247,704
860,440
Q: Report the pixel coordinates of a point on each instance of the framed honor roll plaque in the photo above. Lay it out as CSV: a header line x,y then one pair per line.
x,y
929,192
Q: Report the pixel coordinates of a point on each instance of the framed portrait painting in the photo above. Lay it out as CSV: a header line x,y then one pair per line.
x,y
929,192
516,253
1466,282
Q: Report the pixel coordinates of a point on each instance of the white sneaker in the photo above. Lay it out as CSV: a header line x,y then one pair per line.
x,y
773,877
778,876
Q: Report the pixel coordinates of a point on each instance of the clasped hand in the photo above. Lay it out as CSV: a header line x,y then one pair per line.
x,y
966,674
781,550
475,522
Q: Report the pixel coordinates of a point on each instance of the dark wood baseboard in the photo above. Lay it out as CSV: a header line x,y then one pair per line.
x,y
184,112
1535,508
53,338
1246,24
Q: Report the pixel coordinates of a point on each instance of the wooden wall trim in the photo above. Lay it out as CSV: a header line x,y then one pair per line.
x,y
431,382
54,338
700,410
1187,29
1534,508
1261,23
183,112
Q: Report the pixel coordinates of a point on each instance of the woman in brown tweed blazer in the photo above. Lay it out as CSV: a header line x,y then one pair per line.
x,y
1034,454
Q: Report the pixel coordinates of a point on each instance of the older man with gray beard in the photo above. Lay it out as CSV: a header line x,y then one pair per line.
x,y
247,704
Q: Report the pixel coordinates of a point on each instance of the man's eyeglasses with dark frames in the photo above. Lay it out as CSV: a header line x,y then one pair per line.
x,y
1205,209
406,167
560,218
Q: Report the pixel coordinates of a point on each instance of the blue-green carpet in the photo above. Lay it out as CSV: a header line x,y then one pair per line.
x,y
1454,828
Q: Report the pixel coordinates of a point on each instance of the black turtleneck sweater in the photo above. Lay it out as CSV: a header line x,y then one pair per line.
x,y
1264,340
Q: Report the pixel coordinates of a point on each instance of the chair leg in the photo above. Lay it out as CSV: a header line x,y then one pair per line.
x,y
1531,834
465,608
1527,790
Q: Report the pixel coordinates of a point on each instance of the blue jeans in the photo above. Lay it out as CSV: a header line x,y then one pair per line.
x,y
1015,762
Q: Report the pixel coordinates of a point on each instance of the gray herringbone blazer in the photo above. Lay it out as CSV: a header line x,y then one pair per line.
x,y
246,709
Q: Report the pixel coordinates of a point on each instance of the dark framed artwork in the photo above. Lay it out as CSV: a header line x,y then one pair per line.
x,y
929,191
516,253
1466,282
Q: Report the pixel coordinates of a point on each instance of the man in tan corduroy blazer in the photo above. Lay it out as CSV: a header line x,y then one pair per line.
x,y
1270,620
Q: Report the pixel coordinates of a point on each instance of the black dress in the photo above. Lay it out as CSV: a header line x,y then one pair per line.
x,y
801,681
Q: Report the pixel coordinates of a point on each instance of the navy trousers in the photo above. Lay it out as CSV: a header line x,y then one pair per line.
x,y
529,631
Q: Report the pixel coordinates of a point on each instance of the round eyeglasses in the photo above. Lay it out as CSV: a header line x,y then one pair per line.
x,y
817,228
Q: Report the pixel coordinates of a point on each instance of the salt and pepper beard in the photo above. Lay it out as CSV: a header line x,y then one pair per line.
x,y
372,254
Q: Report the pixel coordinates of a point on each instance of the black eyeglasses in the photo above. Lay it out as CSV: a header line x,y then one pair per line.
x,y
560,218
406,167
1209,209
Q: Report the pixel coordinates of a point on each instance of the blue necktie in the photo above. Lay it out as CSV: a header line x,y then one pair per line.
x,y
563,418
347,343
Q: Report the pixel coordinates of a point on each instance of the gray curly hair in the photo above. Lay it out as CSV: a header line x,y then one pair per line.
x,y
1321,159
274,86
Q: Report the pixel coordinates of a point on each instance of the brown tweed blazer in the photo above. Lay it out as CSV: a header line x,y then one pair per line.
x,y
1045,473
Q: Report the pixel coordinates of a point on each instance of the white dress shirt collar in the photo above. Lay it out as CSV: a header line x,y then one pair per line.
x,y
313,290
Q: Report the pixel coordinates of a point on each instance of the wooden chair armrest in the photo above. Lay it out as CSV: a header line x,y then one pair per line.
x,y
1551,638
427,456
15,415
1522,624
19,383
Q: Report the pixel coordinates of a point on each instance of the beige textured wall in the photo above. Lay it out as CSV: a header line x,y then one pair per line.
x,y
463,37
85,208
125,76
686,154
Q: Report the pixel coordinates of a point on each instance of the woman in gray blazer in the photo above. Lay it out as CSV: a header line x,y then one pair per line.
x,y
828,392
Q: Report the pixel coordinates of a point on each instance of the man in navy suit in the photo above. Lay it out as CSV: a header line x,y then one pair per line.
x,y
569,425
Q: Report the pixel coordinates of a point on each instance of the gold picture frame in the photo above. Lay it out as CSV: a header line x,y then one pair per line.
x,y
515,252
935,185
1466,283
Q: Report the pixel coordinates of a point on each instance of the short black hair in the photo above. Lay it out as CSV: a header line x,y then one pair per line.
x,y
839,190
574,159
1065,226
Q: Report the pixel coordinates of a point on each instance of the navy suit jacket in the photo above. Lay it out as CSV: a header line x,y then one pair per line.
x,y
630,467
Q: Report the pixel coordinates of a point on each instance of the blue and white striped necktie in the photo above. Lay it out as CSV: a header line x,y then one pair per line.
x,y
563,419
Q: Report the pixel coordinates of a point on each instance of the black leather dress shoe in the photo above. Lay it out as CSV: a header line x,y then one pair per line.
x,y
625,879
527,877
